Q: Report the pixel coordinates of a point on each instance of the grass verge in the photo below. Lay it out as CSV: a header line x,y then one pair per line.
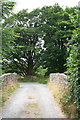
x,y
59,93
37,79
6,92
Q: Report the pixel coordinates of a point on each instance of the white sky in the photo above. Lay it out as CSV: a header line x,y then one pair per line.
x,y
33,4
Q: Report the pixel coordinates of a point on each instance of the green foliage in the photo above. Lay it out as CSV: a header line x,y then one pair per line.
x,y
57,27
34,39
41,71
7,32
37,79
7,7
24,45
73,65
67,105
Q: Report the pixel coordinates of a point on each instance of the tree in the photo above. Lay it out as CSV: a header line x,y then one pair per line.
x,y
36,39
7,7
7,30
27,43
57,28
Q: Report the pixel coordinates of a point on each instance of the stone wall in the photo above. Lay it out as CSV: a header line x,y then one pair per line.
x,y
58,78
8,79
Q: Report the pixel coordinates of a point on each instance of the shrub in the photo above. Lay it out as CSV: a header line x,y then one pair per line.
x,y
41,71
73,67
38,79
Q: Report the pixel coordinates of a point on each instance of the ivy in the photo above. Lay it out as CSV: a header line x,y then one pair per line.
x,y
73,64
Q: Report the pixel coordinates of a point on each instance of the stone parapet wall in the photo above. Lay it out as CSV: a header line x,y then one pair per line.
x,y
58,78
8,79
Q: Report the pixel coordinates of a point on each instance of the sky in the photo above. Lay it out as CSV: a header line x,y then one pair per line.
x,y
33,4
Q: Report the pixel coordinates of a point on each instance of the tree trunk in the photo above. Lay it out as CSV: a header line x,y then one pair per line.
x,y
30,64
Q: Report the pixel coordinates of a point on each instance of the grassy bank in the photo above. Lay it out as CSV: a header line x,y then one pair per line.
x,y
59,93
37,79
6,92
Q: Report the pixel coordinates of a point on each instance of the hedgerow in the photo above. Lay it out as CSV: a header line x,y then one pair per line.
x,y
73,65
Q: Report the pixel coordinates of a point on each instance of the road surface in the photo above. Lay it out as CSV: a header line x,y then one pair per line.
x,y
31,100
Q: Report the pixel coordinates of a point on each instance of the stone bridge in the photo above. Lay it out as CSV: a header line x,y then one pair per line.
x,y
58,78
8,79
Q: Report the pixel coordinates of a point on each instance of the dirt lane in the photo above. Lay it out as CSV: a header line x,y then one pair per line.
x,y
31,100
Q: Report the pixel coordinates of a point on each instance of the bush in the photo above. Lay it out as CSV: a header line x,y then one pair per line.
x,y
41,71
38,79
73,67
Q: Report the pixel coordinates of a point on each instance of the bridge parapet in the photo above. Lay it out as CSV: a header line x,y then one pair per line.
x,y
7,79
58,78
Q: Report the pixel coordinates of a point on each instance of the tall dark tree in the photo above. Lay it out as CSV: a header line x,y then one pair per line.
x,y
57,28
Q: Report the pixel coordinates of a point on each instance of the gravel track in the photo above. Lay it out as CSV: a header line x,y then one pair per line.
x,y
31,100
